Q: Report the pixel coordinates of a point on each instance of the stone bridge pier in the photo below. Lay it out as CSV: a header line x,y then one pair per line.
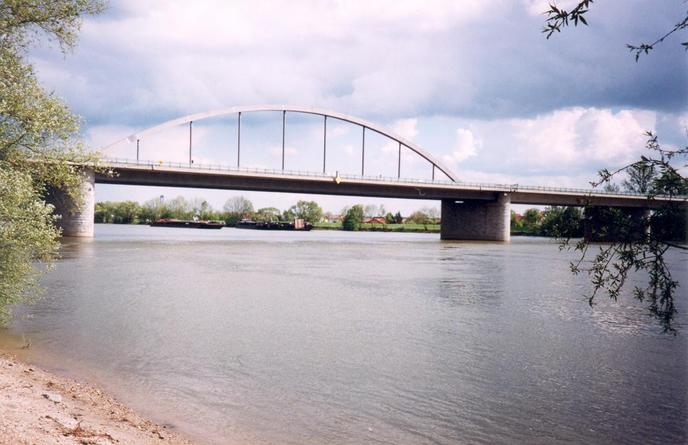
x,y
476,219
76,220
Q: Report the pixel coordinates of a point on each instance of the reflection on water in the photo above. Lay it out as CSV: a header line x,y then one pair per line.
x,y
333,337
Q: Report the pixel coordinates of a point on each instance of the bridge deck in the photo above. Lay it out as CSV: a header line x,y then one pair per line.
x,y
219,177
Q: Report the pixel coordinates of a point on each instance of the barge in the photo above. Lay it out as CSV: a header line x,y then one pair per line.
x,y
187,224
298,224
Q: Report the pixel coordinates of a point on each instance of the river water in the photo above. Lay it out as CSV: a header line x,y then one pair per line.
x,y
357,338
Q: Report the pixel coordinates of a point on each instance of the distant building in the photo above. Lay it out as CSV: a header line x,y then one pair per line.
x,y
376,220
332,218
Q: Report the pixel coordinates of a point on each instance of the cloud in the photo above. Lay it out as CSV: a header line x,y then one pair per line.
x,y
406,128
466,147
143,63
538,7
474,82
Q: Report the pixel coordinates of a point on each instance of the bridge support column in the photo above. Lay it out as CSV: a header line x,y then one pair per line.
x,y
76,220
477,219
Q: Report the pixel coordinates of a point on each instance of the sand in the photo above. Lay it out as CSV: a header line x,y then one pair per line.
x,y
37,407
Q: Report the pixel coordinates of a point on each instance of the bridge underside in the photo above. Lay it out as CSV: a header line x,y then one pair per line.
x,y
152,175
318,185
469,212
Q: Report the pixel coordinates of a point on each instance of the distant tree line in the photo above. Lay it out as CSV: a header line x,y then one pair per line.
x,y
554,222
234,210
239,207
355,216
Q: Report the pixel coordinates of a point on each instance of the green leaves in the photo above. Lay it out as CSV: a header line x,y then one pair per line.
x,y
638,241
353,218
27,234
39,145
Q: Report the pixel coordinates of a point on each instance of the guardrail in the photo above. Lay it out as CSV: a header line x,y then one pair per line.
x,y
472,185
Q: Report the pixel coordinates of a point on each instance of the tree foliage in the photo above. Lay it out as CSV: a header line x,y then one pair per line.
x,y
558,18
419,217
39,144
238,204
353,218
640,177
638,243
309,211
562,222
27,234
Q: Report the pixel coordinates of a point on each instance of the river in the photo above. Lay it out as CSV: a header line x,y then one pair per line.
x,y
357,338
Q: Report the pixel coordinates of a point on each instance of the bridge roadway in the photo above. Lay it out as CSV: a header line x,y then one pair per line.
x,y
217,177
469,211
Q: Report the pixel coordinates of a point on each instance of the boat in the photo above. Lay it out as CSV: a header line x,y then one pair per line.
x,y
187,224
298,225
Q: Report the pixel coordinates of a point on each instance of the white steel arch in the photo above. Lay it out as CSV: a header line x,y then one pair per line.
x,y
293,109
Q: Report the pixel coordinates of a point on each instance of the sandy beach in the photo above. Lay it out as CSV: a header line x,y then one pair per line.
x,y
37,407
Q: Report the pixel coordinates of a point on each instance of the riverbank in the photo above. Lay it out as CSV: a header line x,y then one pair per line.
x,y
39,407
372,227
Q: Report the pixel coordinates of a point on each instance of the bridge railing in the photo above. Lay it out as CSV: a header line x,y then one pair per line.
x,y
380,178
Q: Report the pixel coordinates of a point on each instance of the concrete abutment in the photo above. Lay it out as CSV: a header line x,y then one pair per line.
x,y
480,220
77,220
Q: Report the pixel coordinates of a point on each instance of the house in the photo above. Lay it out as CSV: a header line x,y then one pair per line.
x,y
376,220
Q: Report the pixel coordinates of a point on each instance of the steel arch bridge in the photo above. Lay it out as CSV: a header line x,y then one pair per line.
x,y
284,109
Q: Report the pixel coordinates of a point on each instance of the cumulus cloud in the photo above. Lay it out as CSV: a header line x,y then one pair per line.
x,y
466,147
577,136
404,128
537,7
573,142
473,82
144,62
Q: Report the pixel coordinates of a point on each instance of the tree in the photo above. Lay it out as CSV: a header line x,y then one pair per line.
x,y
267,214
238,205
644,241
562,222
419,217
353,218
126,212
309,211
558,18
398,219
154,209
531,221
370,210
640,177
432,212
38,139
516,222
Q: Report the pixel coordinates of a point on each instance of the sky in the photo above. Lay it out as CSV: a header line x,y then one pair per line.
x,y
475,83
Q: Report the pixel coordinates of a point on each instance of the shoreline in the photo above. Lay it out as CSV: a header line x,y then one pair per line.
x,y
41,407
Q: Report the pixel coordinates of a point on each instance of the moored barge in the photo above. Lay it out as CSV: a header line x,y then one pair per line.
x,y
298,224
187,224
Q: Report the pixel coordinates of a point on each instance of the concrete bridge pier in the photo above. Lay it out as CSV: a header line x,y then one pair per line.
x,y
76,220
477,219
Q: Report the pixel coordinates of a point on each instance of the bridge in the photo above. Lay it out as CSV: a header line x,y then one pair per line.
x,y
470,211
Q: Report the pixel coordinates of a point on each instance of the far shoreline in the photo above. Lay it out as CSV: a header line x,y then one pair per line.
x,y
367,227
